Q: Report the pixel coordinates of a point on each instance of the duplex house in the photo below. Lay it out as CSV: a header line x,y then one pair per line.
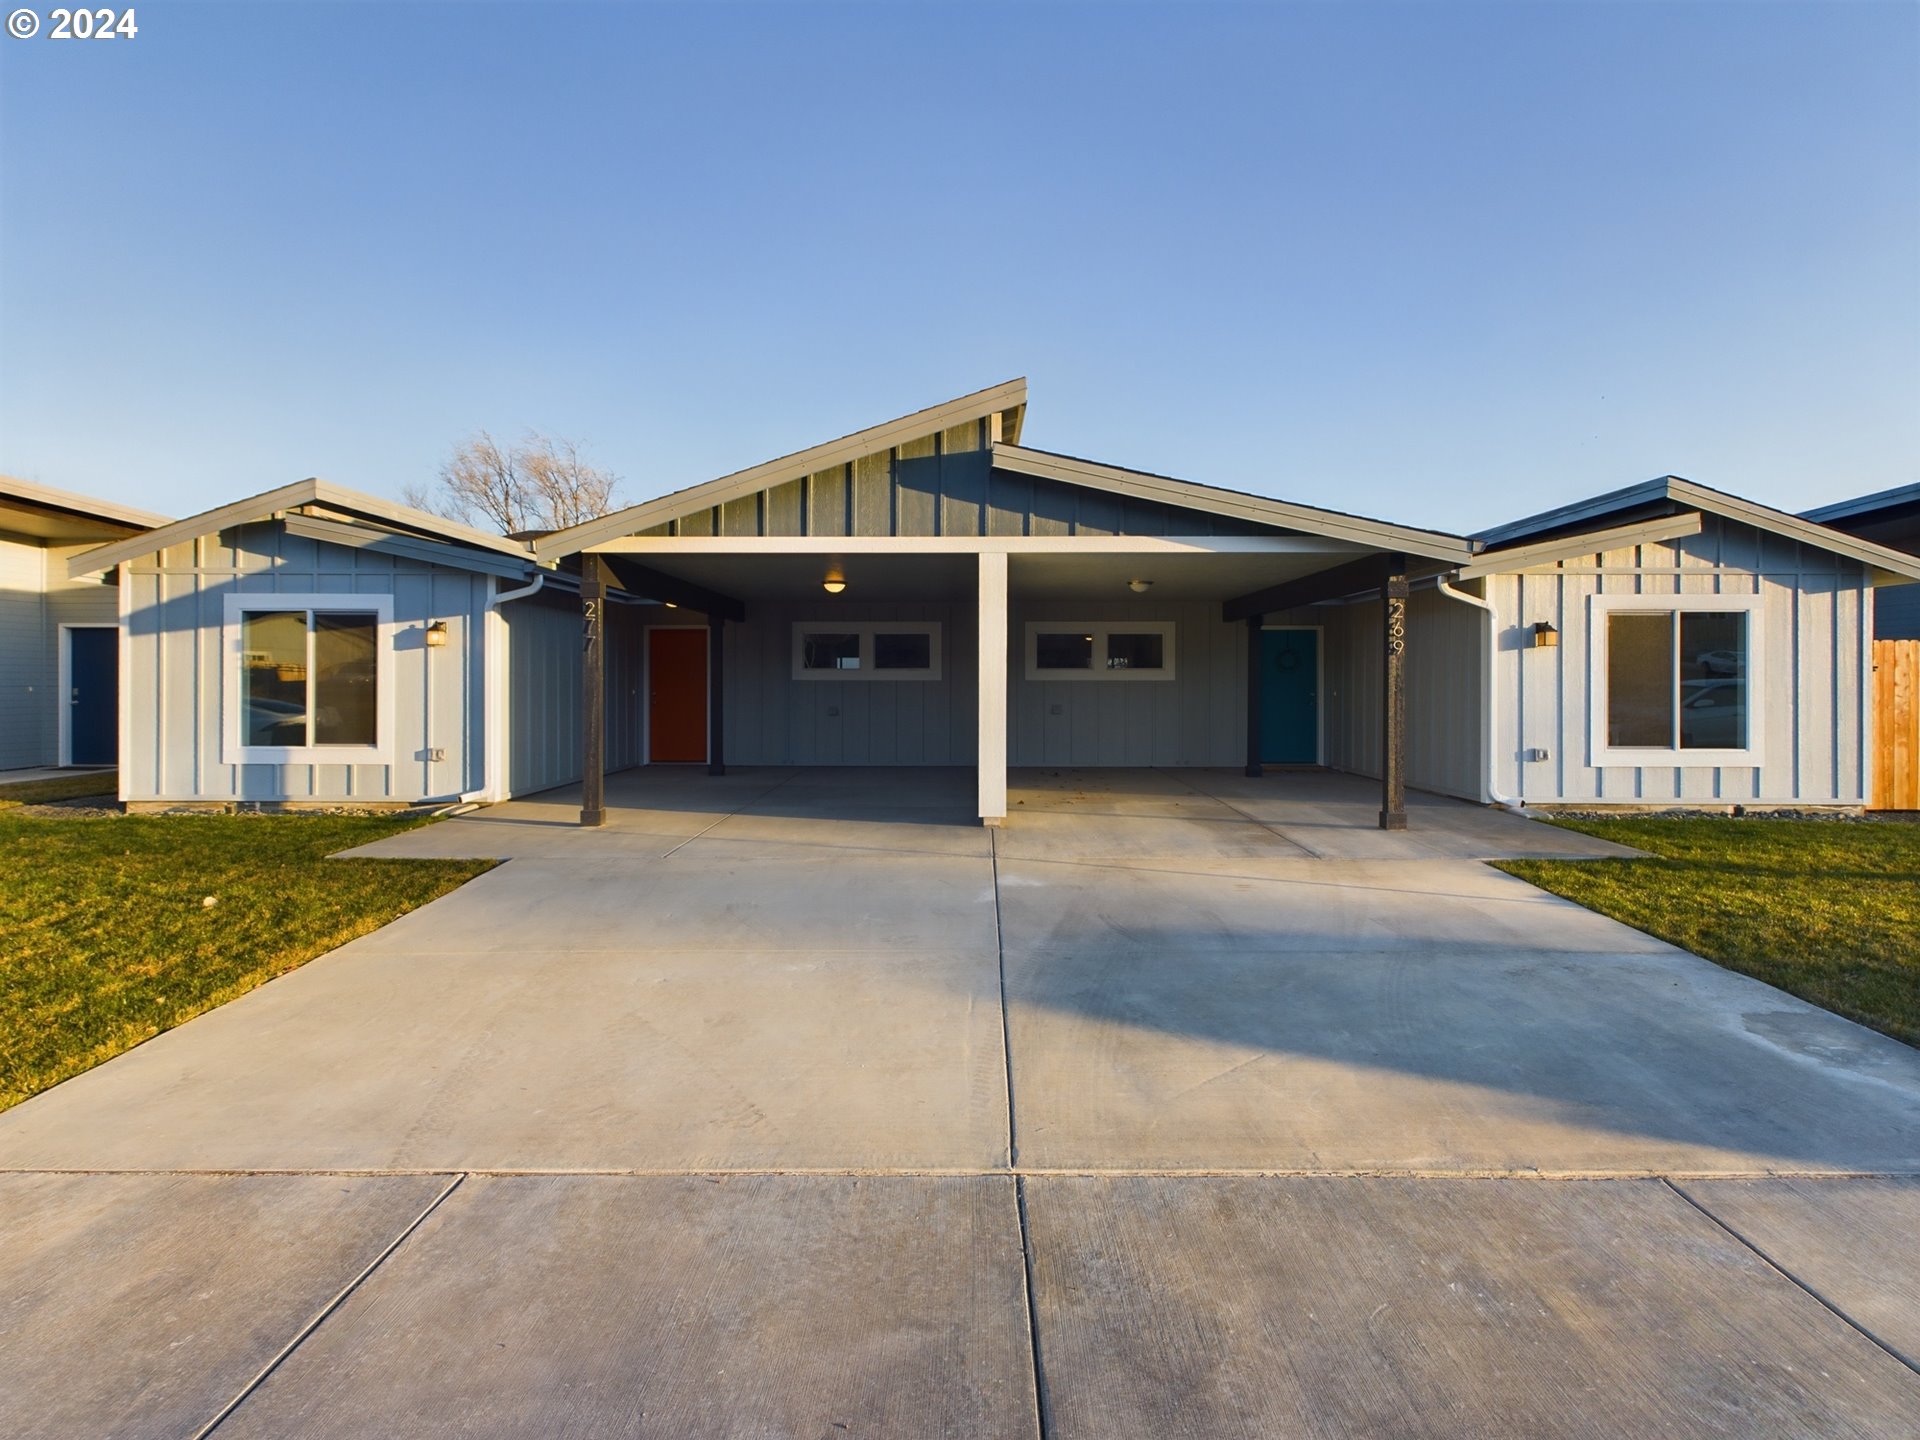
x,y
934,591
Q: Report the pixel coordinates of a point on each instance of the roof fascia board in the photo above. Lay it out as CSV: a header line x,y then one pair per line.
x,y
207,522
1807,532
270,503
978,545
1588,542
388,542
1186,494
83,505
741,483
436,526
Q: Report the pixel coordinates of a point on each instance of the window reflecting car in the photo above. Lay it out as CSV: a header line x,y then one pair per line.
x,y
1722,662
1713,715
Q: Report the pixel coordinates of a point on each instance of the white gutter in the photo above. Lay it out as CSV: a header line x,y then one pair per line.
x,y
1489,723
494,704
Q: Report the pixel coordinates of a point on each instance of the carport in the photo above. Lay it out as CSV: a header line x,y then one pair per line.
x,y
1201,606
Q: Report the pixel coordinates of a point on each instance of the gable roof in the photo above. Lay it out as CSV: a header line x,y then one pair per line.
x,y
288,497
1009,395
1668,493
45,513
1189,495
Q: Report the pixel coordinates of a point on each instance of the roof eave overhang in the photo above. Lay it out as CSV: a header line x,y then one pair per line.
x,y
1382,535
269,503
1670,494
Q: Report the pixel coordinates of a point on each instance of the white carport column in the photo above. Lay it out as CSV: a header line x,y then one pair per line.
x,y
992,673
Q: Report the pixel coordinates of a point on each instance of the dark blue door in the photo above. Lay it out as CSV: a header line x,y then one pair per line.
x,y
93,696
1290,697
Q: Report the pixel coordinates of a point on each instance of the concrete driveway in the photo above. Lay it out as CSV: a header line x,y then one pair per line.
x,y
793,1103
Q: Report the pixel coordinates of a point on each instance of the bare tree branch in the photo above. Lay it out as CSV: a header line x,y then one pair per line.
x,y
539,484
565,489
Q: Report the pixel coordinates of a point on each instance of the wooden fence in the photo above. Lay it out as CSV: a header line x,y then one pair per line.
x,y
1896,725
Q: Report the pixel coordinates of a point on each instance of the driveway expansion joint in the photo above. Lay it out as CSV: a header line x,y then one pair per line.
x,y
320,1316
1774,1265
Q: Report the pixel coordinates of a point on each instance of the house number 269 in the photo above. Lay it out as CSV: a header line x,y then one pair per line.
x,y
1396,625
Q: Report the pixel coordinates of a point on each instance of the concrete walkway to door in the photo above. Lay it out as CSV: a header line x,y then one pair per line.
x,y
794,1100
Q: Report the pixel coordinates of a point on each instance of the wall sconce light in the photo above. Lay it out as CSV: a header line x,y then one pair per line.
x,y
1545,637
436,634
1139,587
834,583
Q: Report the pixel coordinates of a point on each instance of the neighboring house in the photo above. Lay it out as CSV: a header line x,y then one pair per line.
x,y
1890,518
59,637
932,592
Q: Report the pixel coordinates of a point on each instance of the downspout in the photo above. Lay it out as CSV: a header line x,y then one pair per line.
x,y
495,690
1489,724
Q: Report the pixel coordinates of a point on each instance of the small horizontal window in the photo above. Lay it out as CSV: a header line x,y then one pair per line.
x,y
906,650
1128,651
1056,650
832,651
1100,650
867,650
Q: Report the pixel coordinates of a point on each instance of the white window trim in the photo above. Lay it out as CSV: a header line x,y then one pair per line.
x,y
866,630
1099,630
232,644
1601,753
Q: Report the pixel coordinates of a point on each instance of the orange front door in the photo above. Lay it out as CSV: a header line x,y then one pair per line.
x,y
676,696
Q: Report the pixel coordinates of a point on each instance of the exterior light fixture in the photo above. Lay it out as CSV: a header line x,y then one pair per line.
x,y
1545,637
670,605
834,583
1139,587
436,634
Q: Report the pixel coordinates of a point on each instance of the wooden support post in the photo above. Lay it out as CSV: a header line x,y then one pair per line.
x,y
992,688
1393,697
1254,696
593,696
716,695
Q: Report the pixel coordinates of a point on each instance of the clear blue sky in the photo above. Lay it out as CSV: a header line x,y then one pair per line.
x,y
1442,263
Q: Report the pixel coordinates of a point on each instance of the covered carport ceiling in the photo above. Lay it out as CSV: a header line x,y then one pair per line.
x,y
951,574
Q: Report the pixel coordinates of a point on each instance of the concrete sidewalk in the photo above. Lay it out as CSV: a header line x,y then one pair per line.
x,y
858,1102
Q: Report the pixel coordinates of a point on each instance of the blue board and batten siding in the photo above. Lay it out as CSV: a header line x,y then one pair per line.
x,y
175,603
544,655
36,599
1198,718
943,485
1813,630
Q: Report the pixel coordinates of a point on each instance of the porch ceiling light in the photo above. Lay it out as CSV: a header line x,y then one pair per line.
x,y
834,583
1139,587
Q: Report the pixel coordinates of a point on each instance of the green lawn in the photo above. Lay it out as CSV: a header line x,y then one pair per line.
x,y
1826,910
67,787
106,938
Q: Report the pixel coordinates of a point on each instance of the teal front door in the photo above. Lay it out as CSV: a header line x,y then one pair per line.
x,y
1290,697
